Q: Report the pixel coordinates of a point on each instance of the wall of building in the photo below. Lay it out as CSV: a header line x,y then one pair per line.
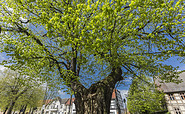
x,y
175,103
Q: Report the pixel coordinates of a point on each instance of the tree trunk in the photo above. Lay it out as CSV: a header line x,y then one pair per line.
x,y
30,111
33,110
97,98
97,101
21,109
11,107
12,103
5,110
24,109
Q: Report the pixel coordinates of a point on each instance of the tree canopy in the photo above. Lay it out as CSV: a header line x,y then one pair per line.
x,y
17,92
145,98
132,34
87,43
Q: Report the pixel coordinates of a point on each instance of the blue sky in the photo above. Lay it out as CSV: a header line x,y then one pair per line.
x,y
123,88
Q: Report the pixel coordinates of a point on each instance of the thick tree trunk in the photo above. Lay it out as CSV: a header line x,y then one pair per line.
x,y
97,101
97,98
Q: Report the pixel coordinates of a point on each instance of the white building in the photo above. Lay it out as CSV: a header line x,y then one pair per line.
x,y
55,106
116,105
71,106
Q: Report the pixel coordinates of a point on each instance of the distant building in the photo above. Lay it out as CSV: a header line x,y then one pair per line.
x,y
174,95
55,106
116,106
71,106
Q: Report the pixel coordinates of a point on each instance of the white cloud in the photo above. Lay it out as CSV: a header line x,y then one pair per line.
x,y
2,67
2,57
124,93
63,94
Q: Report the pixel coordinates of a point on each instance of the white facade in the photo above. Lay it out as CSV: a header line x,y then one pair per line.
x,y
53,108
175,102
116,105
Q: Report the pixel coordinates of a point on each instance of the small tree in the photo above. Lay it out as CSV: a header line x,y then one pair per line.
x,y
144,98
17,90
30,99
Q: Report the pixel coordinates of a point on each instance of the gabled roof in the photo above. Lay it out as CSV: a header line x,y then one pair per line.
x,y
114,94
48,101
172,87
68,101
62,101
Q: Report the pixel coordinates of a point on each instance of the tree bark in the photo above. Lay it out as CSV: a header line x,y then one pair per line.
x,y
12,103
21,109
24,109
30,110
97,98
5,110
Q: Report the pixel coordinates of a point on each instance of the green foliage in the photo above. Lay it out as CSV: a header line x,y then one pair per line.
x,y
144,98
32,98
50,93
72,40
16,88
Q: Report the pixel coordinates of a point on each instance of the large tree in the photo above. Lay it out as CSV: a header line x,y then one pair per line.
x,y
90,45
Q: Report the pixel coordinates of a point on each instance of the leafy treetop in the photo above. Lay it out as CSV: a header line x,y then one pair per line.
x,y
83,40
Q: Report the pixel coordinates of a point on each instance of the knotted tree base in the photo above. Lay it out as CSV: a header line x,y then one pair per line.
x,y
97,98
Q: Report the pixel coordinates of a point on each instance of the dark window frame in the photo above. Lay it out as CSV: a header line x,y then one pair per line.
x,y
177,110
171,97
182,95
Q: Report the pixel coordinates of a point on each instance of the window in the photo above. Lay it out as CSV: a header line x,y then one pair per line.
x,y
171,97
112,106
182,96
177,111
